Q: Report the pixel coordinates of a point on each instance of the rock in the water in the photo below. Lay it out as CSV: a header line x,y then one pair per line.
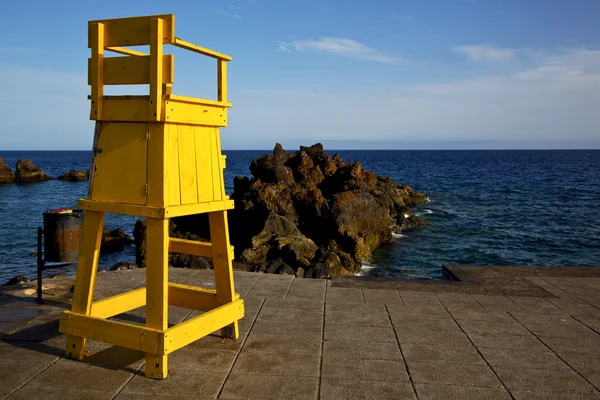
x,y
120,266
313,213
75,176
176,260
114,241
6,175
17,280
27,172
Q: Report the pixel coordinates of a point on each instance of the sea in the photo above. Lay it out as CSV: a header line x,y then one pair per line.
x,y
500,207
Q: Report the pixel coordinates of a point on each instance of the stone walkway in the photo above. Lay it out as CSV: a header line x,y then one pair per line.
x,y
316,339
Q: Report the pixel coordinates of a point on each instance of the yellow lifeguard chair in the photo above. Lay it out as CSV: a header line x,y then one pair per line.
x,y
158,157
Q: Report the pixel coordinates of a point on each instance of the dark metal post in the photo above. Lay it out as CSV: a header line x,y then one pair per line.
x,y
40,266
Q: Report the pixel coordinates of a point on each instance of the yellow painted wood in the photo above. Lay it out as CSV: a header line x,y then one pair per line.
x,y
135,31
97,126
193,100
127,52
133,70
157,174
119,304
204,324
219,235
200,50
156,69
217,170
87,265
195,114
109,331
187,164
192,297
120,174
132,109
96,37
222,80
172,167
154,212
157,289
204,163
193,247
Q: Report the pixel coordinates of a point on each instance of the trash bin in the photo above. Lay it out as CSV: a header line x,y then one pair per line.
x,y
62,234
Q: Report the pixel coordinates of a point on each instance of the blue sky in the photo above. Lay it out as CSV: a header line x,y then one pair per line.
x,y
351,74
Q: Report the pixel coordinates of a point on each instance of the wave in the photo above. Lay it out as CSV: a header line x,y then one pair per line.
x,y
397,235
364,270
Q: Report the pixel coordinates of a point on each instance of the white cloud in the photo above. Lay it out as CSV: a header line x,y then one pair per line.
x,y
554,101
342,47
485,52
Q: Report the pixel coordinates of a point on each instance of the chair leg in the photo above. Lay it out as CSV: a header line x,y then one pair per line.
x,y
157,289
222,259
85,278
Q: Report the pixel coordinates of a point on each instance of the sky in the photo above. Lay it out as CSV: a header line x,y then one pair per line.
x,y
378,74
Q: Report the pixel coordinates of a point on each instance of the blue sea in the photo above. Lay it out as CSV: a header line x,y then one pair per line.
x,y
538,207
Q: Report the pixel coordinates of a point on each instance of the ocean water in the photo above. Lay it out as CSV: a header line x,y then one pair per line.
x,y
524,207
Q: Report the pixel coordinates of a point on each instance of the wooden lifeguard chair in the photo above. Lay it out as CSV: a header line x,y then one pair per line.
x,y
158,157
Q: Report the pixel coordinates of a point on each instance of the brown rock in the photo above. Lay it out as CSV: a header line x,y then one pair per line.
x,y
6,175
75,176
27,172
114,241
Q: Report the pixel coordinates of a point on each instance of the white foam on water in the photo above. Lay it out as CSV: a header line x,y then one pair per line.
x,y
427,199
426,211
364,269
397,235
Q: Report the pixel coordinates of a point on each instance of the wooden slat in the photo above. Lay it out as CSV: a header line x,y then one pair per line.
x,y
201,50
127,52
172,169
120,303
125,110
204,163
156,69
119,333
217,173
204,324
96,35
133,70
222,80
193,100
157,154
135,31
192,297
187,165
192,247
195,114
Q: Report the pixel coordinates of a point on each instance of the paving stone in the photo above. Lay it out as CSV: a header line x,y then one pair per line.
x,y
344,295
495,327
351,389
479,314
587,364
295,304
59,393
441,353
450,374
132,396
194,359
307,289
292,315
501,341
522,358
252,386
447,392
362,349
108,355
573,345
353,332
214,341
359,316
426,336
590,322
256,362
543,379
203,384
575,307
536,305
14,314
425,311
40,329
382,296
283,345
84,376
497,303
15,374
262,327
22,351
6,328
456,300
564,330
364,369
545,395
440,324
269,286
419,298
